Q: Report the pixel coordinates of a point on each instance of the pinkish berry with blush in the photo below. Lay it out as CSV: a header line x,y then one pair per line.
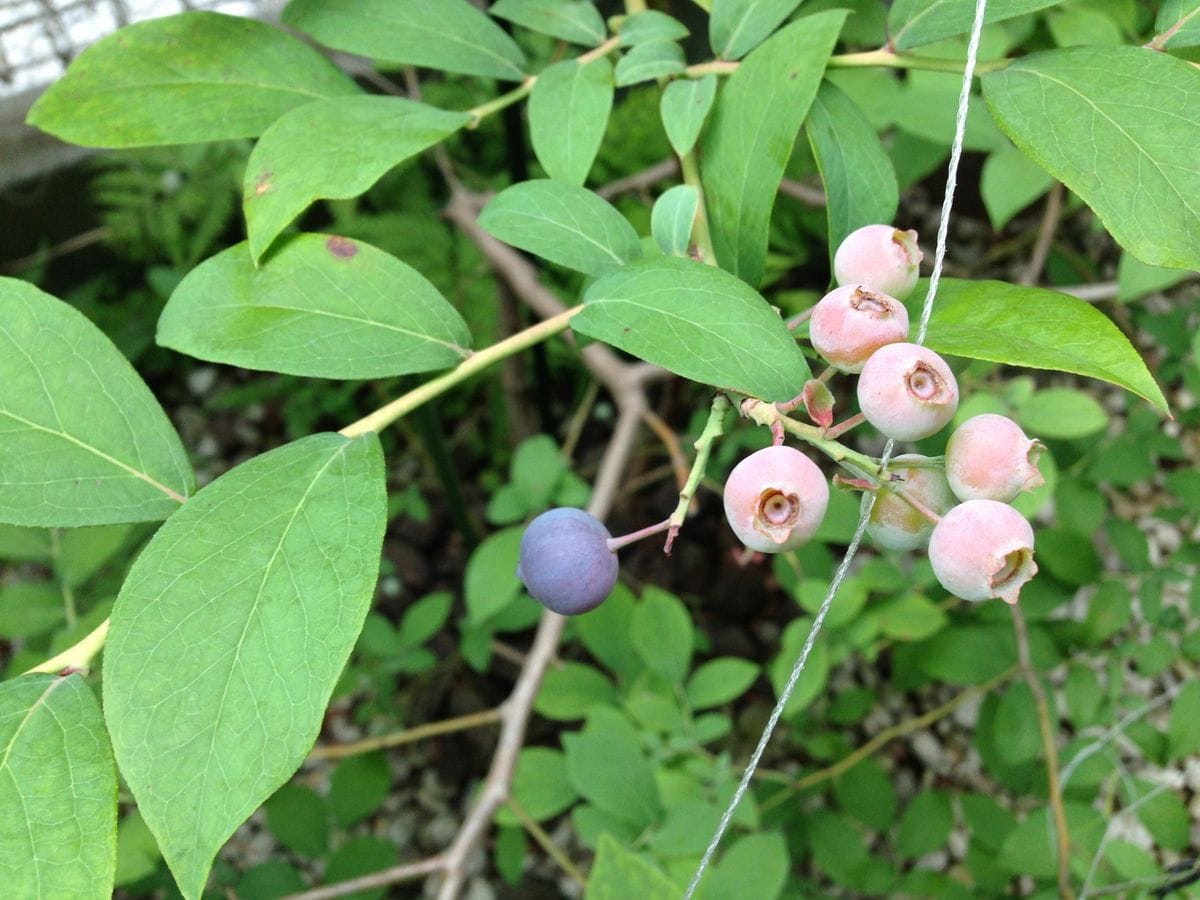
x,y
852,322
907,391
775,499
983,549
881,257
989,457
565,561
895,523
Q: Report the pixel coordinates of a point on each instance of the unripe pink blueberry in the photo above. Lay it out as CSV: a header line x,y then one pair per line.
x,y
907,391
565,562
989,457
850,323
895,523
775,499
983,549
881,257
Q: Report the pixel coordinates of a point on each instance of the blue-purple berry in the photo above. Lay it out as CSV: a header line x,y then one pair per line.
x,y
565,563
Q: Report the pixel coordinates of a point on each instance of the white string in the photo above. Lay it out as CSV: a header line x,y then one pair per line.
x,y
960,125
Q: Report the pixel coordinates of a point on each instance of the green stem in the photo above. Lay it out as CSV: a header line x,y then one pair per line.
x,y
70,612
767,414
521,91
691,175
713,429
1159,41
881,58
477,362
77,657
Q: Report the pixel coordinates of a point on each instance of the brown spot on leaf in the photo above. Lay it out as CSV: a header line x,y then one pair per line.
x,y
342,248
264,183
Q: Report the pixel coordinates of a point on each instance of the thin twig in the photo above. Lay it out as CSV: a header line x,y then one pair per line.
x,y
1051,216
1046,727
538,833
670,441
640,181
382,878
805,193
408,735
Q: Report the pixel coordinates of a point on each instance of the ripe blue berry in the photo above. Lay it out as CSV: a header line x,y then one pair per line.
x,y
565,562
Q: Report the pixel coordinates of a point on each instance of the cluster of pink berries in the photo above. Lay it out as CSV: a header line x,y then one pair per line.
x,y
979,546
775,499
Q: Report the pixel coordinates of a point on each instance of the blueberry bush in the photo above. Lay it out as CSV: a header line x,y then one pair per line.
x,y
531,291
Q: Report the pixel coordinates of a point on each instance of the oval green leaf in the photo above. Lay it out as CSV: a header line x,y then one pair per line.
x,y
684,106
188,78
860,183
451,35
651,25
230,633
653,59
1062,413
736,27
1107,123
750,138
562,223
576,21
333,149
568,112
58,790
1038,329
320,306
672,217
84,442
699,322
915,23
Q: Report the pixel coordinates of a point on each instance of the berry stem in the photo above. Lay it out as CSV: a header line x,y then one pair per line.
x,y
914,503
77,657
713,429
842,427
615,544
690,170
799,318
827,374
766,414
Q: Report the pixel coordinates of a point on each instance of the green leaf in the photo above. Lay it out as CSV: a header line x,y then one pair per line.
x,y
651,25
490,583
1106,123
1010,182
358,787
914,23
925,825
860,183
672,217
620,874
321,306
24,544
299,819
361,856
333,149
424,618
1135,279
911,617
1062,413
29,608
750,138
736,27
697,321
562,223
607,767
969,654
719,681
58,790
1184,17
84,440
663,634
812,680
83,551
754,867
644,62
1036,328
568,112
230,633
569,691
188,78
1183,730
1017,737
866,793
541,785
451,35
575,21
684,106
